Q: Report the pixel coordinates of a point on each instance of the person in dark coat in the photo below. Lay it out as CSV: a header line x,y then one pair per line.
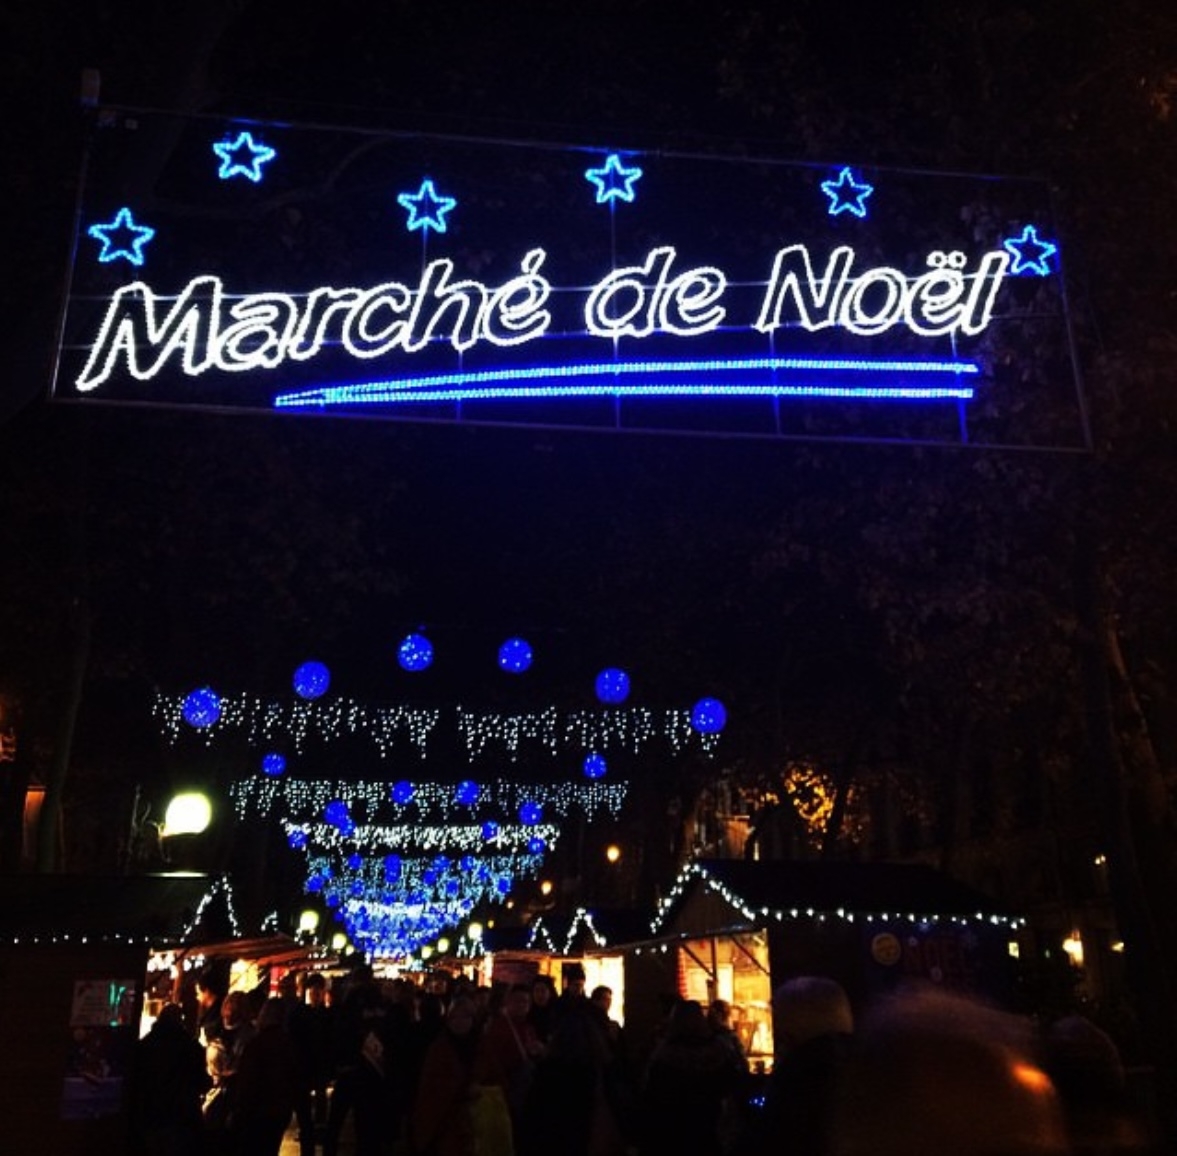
x,y
813,1028
690,1074
169,1082
269,1078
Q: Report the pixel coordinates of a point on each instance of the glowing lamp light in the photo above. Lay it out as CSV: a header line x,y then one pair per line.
x,y
189,813
415,653
338,941
308,921
612,853
515,656
443,945
612,686
273,764
595,766
202,708
311,680
1073,946
530,813
708,716
474,931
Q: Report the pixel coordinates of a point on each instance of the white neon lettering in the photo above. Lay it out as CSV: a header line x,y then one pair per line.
x,y
435,298
639,299
808,292
944,300
361,336
131,329
311,333
874,302
515,312
204,328
260,333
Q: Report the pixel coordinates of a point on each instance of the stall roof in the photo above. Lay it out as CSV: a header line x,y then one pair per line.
x,y
156,909
757,888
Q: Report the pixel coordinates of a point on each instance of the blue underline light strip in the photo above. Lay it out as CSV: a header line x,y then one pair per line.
x,y
487,385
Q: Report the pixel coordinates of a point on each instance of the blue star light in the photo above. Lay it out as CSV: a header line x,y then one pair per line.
x,y
122,238
846,194
427,210
613,180
243,157
1031,254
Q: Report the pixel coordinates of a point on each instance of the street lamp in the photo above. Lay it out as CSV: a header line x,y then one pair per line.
x,y
189,813
185,821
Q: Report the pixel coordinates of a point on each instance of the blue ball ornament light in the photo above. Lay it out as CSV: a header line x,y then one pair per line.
x,y
466,793
490,829
402,792
273,764
530,813
202,708
515,656
536,846
311,680
595,766
708,716
415,653
612,686
336,813
297,839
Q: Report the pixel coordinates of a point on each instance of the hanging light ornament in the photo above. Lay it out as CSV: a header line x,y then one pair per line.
x,y
202,708
708,716
612,686
311,680
515,656
273,764
415,653
595,766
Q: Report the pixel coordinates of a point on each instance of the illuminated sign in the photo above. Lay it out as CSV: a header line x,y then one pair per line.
x,y
433,279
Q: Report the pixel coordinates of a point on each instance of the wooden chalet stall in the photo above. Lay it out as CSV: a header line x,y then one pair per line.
x,y
74,957
595,940
736,929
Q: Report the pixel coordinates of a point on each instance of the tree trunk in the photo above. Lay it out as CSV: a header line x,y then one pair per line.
x,y
1136,820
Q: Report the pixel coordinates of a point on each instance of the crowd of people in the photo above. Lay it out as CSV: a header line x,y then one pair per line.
x,y
456,1069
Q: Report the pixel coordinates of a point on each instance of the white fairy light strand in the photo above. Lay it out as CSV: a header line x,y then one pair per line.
x,y
753,915
261,722
303,800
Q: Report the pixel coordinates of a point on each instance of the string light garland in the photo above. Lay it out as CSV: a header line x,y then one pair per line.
x,y
262,721
695,870
304,800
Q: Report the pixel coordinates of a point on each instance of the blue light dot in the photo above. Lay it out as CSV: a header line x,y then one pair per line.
x,y
402,792
490,829
202,708
311,680
530,813
466,794
415,653
297,839
355,860
336,813
273,764
536,845
708,716
594,766
316,883
515,656
612,686
392,866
